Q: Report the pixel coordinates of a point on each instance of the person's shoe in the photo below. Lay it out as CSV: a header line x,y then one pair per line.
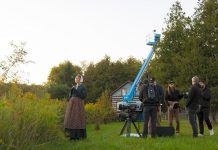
x,y
211,132
177,133
200,135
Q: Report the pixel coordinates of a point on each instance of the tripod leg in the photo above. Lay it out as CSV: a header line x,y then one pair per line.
x,y
123,128
128,127
137,130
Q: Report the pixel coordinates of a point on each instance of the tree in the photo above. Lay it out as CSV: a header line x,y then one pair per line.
x,y
189,47
64,73
61,78
96,78
59,91
107,75
8,66
206,36
122,71
167,58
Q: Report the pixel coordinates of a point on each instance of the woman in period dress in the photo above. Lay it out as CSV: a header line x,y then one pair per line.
x,y
74,121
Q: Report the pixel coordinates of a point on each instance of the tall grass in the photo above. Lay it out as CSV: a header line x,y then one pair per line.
x,y
27,121
101,111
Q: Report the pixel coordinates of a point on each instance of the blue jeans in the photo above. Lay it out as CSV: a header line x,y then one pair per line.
x,y
192,114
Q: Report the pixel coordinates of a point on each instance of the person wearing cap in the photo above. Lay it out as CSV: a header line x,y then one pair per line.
x,y
194,96
160,91
172,97
74,121
149,97
203,114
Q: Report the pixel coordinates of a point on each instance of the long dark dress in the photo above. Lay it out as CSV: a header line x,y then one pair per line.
x,y
74,121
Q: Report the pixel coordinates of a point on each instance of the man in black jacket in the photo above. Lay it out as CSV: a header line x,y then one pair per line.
x,y
194,97
204,111
161,98
150,99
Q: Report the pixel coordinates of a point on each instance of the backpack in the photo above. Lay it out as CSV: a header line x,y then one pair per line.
x,y
151,92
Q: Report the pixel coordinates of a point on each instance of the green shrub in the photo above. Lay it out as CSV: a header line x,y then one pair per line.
x,y
91,112
101,111
59,91
27,121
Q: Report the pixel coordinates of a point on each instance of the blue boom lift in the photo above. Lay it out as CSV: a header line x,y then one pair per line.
x,y
128,103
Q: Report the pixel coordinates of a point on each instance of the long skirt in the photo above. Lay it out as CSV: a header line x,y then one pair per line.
x,y
74,121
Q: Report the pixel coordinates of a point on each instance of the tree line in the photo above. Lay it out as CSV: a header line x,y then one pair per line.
x,y
188,47
99,77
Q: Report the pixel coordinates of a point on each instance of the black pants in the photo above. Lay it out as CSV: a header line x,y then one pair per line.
x,y
203,115
150,111
192,114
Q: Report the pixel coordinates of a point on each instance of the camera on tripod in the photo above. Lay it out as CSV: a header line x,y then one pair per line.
x,y
130,107
129,112
135,106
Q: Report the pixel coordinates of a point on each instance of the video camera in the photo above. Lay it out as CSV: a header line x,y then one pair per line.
x,y
129,110
130,107
135,106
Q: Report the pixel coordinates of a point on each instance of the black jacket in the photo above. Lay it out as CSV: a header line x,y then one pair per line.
x,y
80,91
174,96
143,96
160,91
194,96
205,97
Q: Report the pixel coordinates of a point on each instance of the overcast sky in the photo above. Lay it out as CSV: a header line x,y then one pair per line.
x,y
80,30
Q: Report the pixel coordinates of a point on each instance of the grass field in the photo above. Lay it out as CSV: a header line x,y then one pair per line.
x,y
107,138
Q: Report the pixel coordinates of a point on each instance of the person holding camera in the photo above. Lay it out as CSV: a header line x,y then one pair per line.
x,y
149,97
74,121
172,98
204,111
194,96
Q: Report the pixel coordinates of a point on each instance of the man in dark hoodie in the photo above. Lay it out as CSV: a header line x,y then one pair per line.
x,y
203,114
150,99
194,97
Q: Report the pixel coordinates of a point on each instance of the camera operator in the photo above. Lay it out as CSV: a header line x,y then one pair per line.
x,y
149,97
172,98
194,96
203,114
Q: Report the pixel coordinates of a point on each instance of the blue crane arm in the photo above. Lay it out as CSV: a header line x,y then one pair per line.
x,y
130,95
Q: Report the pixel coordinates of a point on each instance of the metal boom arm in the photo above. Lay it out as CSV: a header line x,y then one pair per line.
x,y
130,95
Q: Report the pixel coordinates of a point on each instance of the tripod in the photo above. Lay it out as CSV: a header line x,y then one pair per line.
x,y
127,124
